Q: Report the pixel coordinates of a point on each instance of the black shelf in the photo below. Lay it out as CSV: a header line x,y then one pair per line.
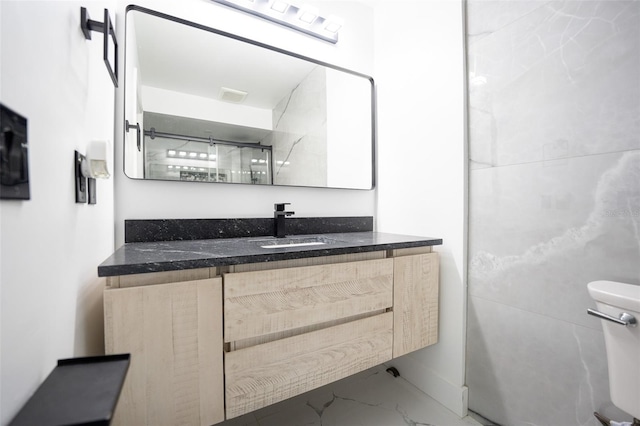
x,y
79,391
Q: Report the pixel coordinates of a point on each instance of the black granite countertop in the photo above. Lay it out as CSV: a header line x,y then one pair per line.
x,y
144,257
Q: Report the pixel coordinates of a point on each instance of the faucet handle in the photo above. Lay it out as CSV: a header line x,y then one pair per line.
x,y
279,207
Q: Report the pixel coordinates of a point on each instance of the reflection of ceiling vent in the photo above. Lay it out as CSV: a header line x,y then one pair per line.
x,y
232,95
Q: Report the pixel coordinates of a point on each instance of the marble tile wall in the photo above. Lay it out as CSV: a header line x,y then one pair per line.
x,y
554,201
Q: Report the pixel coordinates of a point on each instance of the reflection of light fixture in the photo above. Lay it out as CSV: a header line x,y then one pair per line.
x,y
304,19
194,155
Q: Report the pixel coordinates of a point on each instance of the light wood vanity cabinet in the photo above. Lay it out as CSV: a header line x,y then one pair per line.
x,y
415,300
174,334
252,335
345,303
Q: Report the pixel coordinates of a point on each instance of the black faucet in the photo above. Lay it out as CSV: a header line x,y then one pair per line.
x,y
278,217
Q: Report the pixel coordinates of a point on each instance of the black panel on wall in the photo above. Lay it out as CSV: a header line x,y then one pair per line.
x,y
14,158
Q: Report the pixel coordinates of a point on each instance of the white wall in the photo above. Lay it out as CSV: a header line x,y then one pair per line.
x,y
422,167
50,295
138,199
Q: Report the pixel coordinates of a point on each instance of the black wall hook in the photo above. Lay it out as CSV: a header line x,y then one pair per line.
x,y
87,25
128,126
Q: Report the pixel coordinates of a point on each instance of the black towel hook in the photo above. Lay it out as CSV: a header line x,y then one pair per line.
x,y
136,126
87,25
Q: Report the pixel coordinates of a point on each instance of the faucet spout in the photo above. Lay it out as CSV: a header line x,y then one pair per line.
x,y
279,215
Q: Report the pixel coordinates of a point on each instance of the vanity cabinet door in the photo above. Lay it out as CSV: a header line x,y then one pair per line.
x,y
174,335
415,302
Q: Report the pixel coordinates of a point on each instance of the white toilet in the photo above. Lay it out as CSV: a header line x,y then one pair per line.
x,y
618,305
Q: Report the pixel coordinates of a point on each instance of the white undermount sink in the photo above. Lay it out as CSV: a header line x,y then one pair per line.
x,y
287,245
274,243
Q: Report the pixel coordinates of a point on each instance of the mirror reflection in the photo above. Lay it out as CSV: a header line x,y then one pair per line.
x,y
206,106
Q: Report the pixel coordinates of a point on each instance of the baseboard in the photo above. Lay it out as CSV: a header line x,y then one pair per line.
x,y
453,397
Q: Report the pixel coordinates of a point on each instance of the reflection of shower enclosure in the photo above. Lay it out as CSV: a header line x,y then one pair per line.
x,y
178,157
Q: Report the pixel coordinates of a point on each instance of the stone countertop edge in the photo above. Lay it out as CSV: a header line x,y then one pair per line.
x,y
140,258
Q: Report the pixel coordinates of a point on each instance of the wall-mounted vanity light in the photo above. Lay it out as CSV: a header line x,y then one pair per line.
x,y
109,35
90,167
301,18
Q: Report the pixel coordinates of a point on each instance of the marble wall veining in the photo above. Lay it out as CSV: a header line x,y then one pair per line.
x,y
300,133
554,201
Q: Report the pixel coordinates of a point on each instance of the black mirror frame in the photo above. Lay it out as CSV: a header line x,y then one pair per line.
x,y
374,138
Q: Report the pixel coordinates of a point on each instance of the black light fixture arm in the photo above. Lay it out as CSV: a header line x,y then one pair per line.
x,y
106,28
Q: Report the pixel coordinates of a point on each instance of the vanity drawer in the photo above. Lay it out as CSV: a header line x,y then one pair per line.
x,y
259,303
268,373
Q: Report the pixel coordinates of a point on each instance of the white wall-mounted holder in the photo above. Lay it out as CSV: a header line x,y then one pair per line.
x,y
87,25
300,18
88,168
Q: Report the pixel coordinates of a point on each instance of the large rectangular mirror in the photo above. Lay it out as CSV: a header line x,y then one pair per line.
x,y
204,105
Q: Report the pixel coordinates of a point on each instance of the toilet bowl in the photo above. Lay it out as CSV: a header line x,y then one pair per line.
x,y
622,339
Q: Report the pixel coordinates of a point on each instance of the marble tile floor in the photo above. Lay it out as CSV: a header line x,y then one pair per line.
x,y
370,398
